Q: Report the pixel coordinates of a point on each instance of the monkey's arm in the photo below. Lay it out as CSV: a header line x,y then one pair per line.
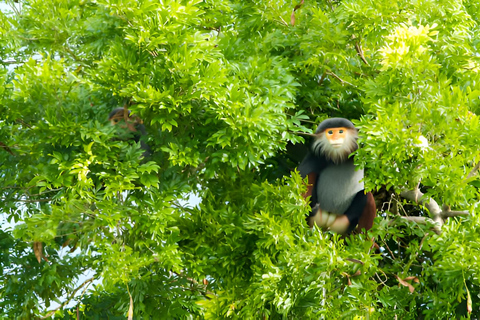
x,y
312,163
355,211
311,179
311,167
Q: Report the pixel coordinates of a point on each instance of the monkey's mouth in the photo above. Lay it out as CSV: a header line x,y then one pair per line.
x,y
337,145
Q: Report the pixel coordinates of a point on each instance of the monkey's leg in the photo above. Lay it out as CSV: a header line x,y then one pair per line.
x,y
361,206
362,211
354,212
369,213
340,225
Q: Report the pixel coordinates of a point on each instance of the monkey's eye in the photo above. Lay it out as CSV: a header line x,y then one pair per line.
x,y
115,120
330,131
340,131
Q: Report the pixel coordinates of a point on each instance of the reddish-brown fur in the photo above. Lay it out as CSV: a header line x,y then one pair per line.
x,y
369,213
312,177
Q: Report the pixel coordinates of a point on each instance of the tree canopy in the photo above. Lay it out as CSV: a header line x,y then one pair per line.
x,y
225,88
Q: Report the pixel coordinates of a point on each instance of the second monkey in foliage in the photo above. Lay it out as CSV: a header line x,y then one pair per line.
x,y
133,126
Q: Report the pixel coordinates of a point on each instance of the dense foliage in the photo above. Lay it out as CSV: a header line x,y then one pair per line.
x,y
211,225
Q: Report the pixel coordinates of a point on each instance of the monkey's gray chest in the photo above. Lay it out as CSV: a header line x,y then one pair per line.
x,y
337,185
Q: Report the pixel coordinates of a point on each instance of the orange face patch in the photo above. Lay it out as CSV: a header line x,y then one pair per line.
x,y
130,123
336,136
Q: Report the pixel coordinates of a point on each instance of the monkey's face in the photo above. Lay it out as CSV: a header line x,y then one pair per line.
x,y
130,123
335,144
336,136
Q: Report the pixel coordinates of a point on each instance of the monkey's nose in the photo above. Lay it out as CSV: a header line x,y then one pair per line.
x,y
337,142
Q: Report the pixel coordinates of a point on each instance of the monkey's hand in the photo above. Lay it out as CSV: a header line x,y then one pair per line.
x,y
321,218
328,221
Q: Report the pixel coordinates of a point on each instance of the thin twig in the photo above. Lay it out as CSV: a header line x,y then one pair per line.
x,y
42,193
388,248
193,282
5,62
6,148
474,171
359,50
30,201
80,299
72,295
382,281
340,79
283,21
14,8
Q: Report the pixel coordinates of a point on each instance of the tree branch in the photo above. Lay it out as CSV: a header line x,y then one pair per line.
x,y
418,197
438,215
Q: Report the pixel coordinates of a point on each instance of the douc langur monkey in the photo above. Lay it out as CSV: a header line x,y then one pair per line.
x,y
337,196
133,126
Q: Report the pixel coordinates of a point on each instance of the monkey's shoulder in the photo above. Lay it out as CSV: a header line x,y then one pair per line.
x,y
312,163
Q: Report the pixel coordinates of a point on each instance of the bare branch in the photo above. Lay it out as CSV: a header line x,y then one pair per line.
x,y
449,214
418,197
438,215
